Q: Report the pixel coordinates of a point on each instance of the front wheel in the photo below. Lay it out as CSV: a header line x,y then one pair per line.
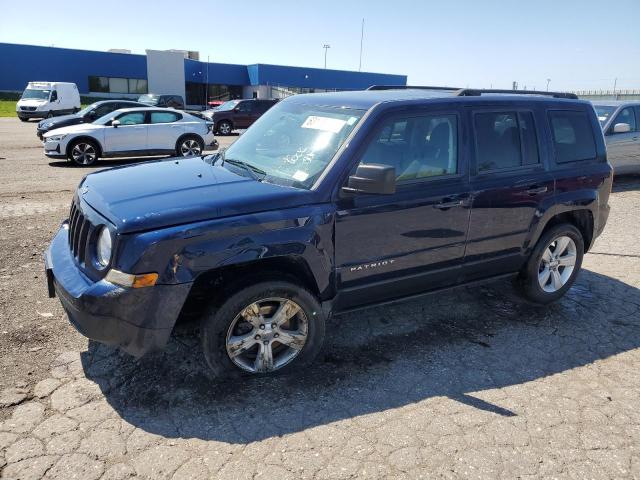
x,y
23,119
553,265
224,128
189,147
50,115
265,328
83,153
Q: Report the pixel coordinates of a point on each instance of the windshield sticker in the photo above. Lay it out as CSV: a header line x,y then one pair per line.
x,y
326,124
352,120
300,176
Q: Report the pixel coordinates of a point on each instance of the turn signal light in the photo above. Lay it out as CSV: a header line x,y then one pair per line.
x,y
129,280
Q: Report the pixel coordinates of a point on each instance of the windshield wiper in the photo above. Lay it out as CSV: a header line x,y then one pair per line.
x,y
253,170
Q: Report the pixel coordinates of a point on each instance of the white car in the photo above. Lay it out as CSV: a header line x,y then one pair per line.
x,y
131,132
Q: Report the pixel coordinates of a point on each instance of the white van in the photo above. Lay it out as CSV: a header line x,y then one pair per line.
x,y
48,99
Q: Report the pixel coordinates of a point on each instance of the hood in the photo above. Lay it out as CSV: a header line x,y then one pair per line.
x,y
82,127
62,121
164,193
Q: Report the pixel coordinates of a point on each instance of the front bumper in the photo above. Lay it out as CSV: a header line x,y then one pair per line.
x,y
138,320
29,114
52,149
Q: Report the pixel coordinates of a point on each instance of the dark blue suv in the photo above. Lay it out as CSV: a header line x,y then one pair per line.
x,y
330,203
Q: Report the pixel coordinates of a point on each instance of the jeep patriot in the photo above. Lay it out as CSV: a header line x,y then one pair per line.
x,y
329,203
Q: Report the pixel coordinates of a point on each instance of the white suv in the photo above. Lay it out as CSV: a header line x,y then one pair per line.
x,y
131,132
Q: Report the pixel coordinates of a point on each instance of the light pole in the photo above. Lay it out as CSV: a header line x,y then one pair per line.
x,y
548,82
326,47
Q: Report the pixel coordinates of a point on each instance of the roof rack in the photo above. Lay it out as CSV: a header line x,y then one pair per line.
x,y
410,87
475,92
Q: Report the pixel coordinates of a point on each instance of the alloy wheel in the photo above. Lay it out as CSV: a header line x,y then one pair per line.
x,y
225,128
557,263
84,153
267,334
190,148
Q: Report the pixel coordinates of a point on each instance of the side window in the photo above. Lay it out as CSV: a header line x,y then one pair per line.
x,y
131,118
245,107
626,116
417,147
164,117
54,96
572,136
102,110
497,141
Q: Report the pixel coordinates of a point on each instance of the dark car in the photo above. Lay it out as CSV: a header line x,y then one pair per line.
x,y
330,203
168,101
87,115
237,114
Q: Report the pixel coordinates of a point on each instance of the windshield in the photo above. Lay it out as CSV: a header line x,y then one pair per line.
x,y
149,99
292,144
604,112
36,94
87,109
227,106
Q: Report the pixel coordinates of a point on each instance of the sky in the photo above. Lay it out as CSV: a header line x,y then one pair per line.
x,y
579,45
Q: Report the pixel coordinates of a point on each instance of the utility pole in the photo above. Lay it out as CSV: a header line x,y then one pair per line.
x,y
206,87
548,82
361,39
514,85
326,47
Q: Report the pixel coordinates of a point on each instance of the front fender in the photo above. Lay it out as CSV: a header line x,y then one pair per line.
x,y
180,254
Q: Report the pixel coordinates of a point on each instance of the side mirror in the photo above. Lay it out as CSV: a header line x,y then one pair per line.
x,y
115,123
372,178
621,128
91,115
237,109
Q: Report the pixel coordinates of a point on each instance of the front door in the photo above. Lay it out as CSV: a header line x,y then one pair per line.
x,y
509,185
390,246
130,135
623,149
243,116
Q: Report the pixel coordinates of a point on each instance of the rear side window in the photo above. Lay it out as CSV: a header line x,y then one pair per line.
x,y
505,140
572,136
164,117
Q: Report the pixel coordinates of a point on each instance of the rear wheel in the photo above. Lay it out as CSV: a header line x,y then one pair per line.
x,y
189,147
224,128
83,153
266,328
553,265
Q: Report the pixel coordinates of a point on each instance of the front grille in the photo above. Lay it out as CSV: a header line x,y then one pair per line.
x,y
80,232
28,109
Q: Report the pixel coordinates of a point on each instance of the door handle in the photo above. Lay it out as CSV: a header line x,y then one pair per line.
x,y
447,205
536,190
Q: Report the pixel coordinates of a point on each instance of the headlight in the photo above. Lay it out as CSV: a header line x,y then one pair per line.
x,y
48,124
103,248
56,138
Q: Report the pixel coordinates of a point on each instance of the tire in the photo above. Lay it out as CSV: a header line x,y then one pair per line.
x,y
50,115
554,267
225,322
224,127
23,119
83,152
190,146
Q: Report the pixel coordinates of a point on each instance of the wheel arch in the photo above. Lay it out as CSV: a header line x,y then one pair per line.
x,y
85,137
215,285
582,219
189,135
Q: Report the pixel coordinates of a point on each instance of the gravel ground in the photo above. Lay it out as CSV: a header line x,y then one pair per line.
x,y
468,384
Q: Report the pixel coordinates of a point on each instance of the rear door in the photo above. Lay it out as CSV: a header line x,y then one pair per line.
x,y
510,186
129,136
623,149
164,130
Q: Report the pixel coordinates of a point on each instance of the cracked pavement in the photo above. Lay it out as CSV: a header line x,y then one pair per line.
x,y
473,383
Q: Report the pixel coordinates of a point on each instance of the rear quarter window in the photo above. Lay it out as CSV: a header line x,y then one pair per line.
x,y
572,133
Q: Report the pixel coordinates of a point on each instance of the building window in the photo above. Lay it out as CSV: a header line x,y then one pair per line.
x,y
117,85
195,92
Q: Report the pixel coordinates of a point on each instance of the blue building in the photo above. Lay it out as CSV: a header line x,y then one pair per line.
x,y
122,74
